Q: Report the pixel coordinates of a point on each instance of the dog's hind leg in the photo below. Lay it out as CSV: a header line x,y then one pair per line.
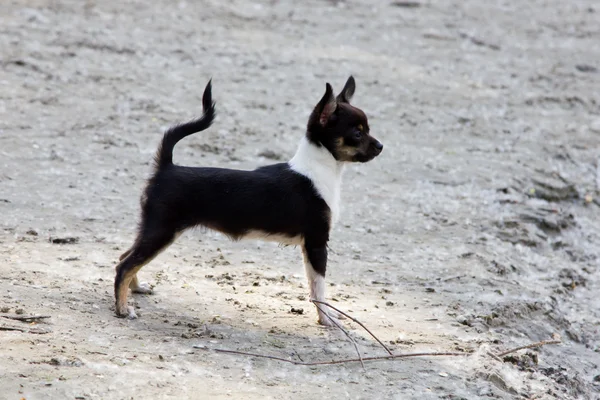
x,y
146,247
136,286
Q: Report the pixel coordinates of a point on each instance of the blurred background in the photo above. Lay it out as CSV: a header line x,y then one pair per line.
x,y
476,229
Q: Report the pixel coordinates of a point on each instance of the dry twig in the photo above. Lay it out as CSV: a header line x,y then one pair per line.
x,y
360,358
394,356
355,320
25,318
529,346
495,357
343,330
298,355
39,331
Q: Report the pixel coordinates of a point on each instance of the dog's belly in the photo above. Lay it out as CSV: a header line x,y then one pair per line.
x,y
274,237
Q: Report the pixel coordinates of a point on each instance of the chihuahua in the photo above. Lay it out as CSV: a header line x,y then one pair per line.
x,y
293,203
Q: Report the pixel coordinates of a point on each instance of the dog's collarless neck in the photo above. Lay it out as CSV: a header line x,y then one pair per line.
x,y
323,170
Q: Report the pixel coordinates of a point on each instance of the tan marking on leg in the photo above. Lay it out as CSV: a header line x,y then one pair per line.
x,y
121,301
122,291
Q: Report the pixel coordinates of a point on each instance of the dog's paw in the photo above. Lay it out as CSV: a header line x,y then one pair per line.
x,y
326,315
126,312
143,288
131,313
328,319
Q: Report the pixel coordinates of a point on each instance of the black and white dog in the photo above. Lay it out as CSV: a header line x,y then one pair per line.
x,y
292,203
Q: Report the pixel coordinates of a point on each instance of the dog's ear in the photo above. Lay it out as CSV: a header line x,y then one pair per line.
x,y
348,91
326,106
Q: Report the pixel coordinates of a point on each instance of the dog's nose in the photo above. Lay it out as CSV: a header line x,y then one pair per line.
x,y
379,146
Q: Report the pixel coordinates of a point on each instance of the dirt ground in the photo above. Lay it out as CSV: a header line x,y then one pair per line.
x,y
476,230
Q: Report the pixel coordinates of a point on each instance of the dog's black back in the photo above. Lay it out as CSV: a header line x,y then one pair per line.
x,y
271,200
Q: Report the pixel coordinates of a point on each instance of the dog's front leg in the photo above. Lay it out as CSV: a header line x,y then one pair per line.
x,y
315,262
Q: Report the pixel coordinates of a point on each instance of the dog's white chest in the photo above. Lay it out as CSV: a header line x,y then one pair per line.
x,y
324,171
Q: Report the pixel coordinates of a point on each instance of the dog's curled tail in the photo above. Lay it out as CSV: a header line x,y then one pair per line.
x,y
164,155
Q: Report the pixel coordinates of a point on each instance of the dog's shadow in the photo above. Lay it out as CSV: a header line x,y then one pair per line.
x,y
286,335
167,331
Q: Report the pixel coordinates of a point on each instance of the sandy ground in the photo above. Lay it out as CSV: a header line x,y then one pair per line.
x,y
476,230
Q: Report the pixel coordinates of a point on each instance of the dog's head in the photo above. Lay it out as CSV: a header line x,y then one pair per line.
x,y
342,128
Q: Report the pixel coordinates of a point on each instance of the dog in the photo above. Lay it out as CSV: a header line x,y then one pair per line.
x,y
293,203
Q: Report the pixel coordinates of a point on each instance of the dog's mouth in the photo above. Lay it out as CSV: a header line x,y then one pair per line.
x,y
365,157
373,151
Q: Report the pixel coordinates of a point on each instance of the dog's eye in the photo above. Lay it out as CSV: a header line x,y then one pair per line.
x,y
357,134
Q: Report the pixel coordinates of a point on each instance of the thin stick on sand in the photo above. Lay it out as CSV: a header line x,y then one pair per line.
x,y
25,318
343,330
355,320
333,362
529,346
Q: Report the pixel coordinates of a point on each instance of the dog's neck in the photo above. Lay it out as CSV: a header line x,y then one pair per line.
x,y
324,171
